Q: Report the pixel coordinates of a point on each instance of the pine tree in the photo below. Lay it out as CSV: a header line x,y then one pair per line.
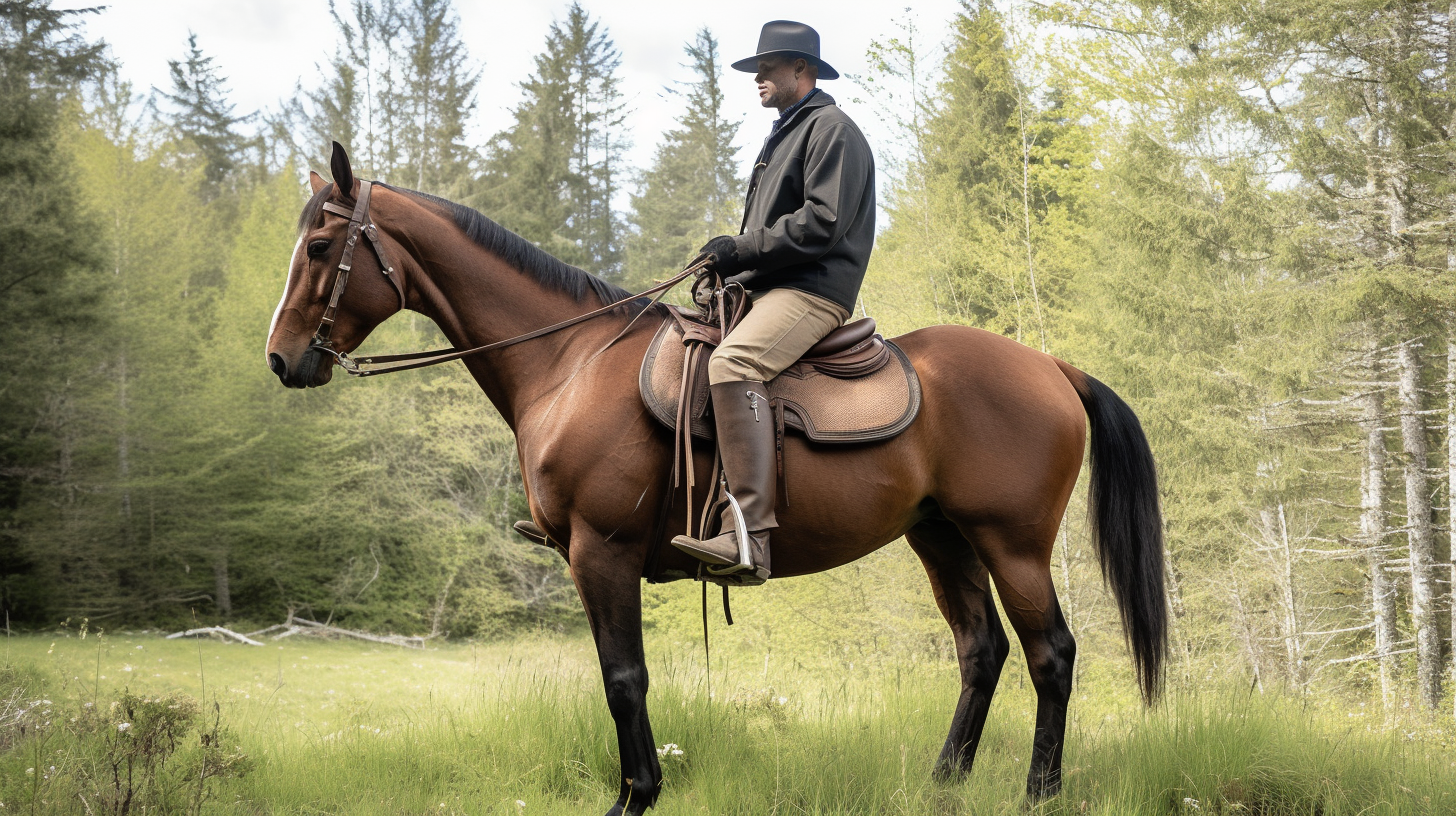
x,y
202,117
552,176
985,204
693,191
437,97
49,278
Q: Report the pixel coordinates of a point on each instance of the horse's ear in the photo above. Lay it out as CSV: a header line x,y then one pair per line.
x,y
343,173
316,182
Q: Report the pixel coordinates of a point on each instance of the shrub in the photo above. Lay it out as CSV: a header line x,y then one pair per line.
x,y
153,754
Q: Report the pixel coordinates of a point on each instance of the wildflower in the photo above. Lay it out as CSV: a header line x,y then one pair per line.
x,y
30,772
782,701
123,727
520,804
1189,801
670,749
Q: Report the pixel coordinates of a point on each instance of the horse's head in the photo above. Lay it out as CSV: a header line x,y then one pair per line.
x,y
306,333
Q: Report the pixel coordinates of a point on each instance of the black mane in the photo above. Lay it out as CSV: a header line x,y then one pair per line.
x,y
520,253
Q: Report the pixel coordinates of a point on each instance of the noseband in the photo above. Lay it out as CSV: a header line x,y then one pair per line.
x,y
359,223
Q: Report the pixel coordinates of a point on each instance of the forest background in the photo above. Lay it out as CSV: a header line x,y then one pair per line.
x,y
1240,218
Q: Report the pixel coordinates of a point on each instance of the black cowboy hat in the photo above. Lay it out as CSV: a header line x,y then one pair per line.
x,y
789,39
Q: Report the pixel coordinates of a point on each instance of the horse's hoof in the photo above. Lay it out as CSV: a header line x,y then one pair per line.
x,y
948,774
1039,789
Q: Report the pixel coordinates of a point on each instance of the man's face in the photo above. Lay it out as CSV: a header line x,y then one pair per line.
x,y
778,86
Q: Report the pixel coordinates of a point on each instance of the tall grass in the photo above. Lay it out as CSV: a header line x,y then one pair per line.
x,y
523,728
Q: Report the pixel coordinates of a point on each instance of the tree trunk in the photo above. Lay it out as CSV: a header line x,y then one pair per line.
x,y
1246,630
1419,531
222,594
1372,533
123,448
1451,453
1276,532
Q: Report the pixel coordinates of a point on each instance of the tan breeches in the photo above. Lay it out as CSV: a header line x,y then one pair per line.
x,y
781,326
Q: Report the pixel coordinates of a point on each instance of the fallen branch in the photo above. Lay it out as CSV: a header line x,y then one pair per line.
x,y
304,626
214,630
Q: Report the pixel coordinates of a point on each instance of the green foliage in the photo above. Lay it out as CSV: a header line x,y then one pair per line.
x,y
552,175
692,191
136,754
202,117
49,282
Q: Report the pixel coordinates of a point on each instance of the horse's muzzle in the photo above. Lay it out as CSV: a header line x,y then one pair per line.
x,y
313,369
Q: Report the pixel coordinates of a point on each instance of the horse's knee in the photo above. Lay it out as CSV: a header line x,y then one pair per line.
x,y
626,689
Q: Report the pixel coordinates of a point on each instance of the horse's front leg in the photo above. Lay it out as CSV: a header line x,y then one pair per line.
x,y
607,577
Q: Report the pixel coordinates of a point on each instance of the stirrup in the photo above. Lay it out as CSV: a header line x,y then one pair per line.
x,y
533,533
745,558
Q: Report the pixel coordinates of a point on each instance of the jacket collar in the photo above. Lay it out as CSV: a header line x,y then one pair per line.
x,y
795,114
815,100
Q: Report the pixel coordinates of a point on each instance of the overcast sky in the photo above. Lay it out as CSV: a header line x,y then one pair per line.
x,y
264,47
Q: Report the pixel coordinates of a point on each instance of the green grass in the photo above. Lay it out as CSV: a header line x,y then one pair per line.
x,y
344,728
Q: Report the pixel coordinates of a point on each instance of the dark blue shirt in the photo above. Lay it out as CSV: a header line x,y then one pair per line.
x,y
790,111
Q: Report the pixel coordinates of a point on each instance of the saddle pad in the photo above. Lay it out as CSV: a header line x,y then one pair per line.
x,y
825,409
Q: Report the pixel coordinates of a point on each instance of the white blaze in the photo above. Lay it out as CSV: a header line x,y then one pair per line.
x,y
287,285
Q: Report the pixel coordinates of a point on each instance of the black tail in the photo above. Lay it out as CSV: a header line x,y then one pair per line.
x,y
1127,525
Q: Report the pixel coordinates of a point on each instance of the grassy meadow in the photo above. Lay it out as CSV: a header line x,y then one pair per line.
x,y
522,727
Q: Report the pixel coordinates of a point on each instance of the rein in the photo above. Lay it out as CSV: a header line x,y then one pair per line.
x,y
387,364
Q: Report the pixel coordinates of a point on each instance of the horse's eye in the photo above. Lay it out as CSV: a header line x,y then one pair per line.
x,y
317,249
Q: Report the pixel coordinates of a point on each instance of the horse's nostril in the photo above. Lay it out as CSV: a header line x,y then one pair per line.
x,y
277,366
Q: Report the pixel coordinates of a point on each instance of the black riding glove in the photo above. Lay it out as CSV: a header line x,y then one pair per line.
x,y
724,253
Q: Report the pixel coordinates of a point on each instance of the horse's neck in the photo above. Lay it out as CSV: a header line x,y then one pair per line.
x,y
476,299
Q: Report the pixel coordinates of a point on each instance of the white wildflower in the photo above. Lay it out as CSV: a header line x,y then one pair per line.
x,y
782,701
1189,801
123,727
520,804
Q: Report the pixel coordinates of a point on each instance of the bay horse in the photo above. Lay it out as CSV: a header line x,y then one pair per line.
x,y
977,484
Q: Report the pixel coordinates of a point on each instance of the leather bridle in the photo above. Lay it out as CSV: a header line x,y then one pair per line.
x,y
359,223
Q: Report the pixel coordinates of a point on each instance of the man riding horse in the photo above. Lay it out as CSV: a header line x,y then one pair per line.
x,y
808,227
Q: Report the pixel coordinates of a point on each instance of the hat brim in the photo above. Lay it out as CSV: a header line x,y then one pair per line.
x,y
750,65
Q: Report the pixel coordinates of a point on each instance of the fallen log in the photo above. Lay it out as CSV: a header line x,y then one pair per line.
x,y
306,626
303,626
217,631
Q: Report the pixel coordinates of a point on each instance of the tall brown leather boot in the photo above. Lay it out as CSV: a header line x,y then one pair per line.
x,y
746,441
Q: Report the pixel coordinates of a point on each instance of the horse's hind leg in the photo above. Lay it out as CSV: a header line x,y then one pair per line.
x,y
1019,559
963,594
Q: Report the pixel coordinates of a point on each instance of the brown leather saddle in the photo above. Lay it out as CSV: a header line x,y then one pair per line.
x,y
852,386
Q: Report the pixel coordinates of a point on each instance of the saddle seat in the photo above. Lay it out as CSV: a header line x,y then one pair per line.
x,y
851,386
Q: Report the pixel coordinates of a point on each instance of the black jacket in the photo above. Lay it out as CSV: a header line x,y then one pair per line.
x,y
809,219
